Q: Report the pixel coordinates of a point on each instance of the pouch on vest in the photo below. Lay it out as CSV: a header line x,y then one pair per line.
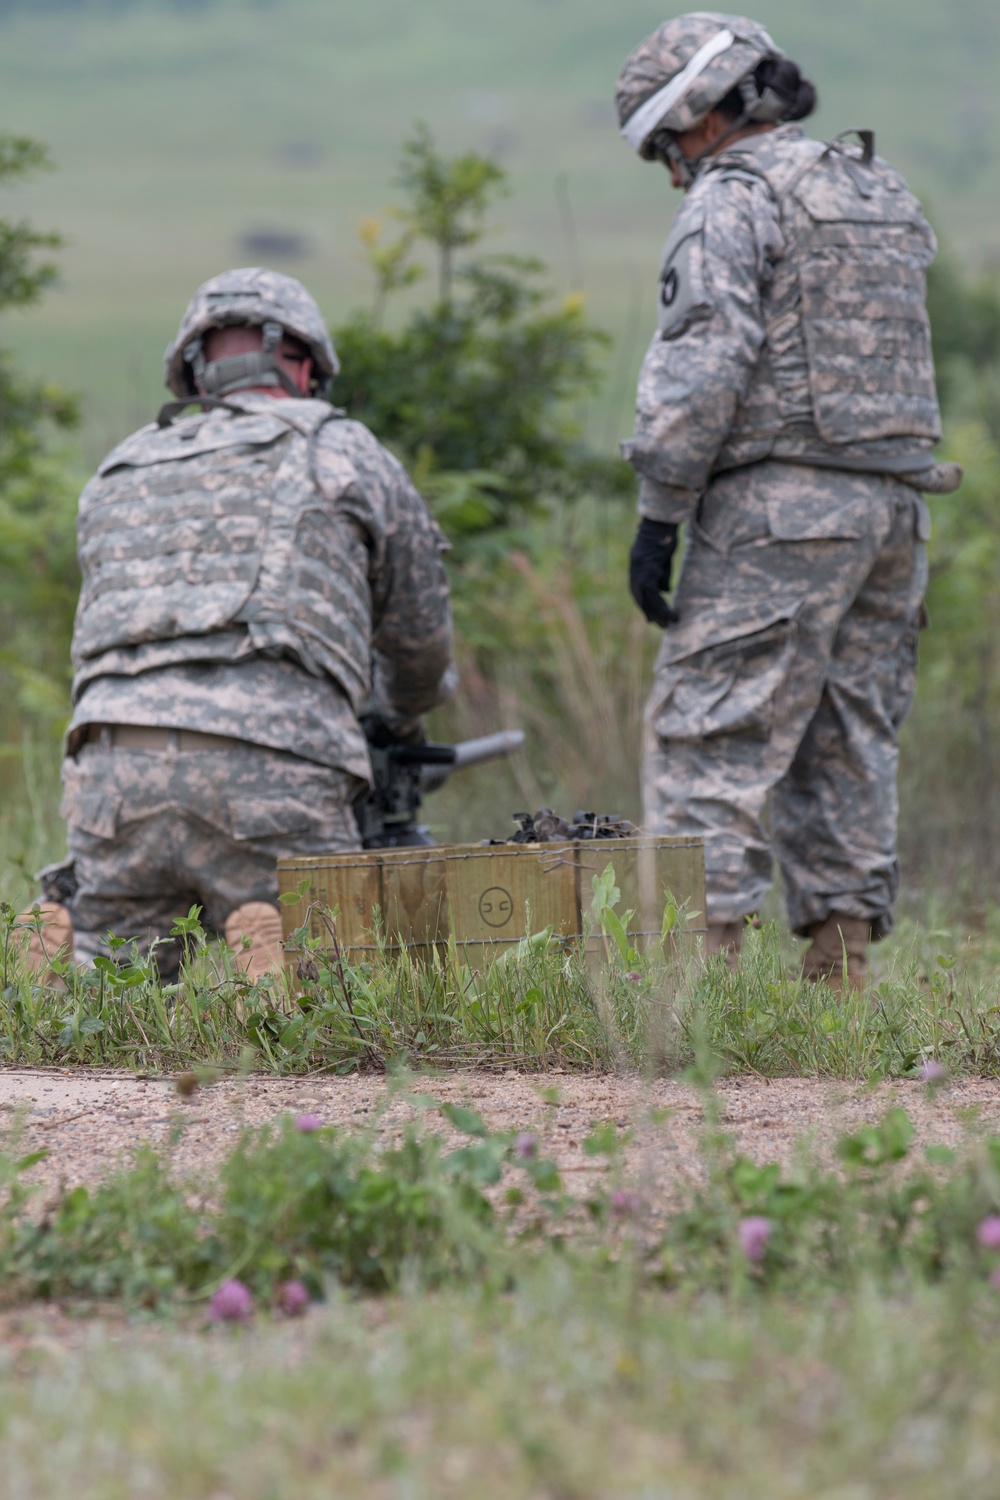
x,y
815,515
93,809
862,260
922,520
95,813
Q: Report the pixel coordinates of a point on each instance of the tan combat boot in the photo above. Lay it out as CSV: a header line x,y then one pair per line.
x,y
725,937
837,938
260,923
43,938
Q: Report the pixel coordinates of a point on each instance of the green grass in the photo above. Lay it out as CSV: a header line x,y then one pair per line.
x,y
544,1005
523,1346
935,991
562,1388
175,133
858,1361
31,831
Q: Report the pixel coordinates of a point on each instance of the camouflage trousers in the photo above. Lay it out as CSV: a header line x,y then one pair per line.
x,y
154,832
787,678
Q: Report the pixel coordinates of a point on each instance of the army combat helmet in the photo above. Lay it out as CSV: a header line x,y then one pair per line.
x,y
677,76
263,299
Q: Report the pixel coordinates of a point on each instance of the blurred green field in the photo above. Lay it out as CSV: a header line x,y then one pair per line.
x,y
179,130
562,1388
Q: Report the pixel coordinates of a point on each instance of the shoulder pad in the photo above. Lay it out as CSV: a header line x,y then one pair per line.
x,y
204,432
736,172
777,161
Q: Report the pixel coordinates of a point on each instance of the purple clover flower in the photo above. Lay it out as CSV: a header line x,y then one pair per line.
x,y
754,1233
988,1233
933,1074
625,1203
232,1303
293,1299
308,1123
525,1146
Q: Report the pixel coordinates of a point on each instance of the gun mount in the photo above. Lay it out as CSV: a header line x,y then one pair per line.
x,y
405,773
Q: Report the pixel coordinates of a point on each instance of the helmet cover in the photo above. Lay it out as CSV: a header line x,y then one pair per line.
x,y
678,75
251,296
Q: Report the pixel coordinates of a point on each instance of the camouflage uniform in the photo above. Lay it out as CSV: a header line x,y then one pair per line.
x,y
788,392
259,573
154,832
790,671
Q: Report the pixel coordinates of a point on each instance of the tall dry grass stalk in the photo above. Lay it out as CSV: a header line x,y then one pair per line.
x,y
565,656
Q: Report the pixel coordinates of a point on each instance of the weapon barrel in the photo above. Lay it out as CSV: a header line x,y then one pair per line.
x,y
490,747
473,753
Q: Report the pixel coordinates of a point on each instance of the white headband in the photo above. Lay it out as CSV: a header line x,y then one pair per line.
x,y
641,125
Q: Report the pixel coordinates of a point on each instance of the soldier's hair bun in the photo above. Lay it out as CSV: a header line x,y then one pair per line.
x,y
783,76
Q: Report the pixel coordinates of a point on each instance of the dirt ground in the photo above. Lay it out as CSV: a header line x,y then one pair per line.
x,y
92,1121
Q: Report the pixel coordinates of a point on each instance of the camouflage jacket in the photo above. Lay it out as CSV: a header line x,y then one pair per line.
x,y
792,323
266,530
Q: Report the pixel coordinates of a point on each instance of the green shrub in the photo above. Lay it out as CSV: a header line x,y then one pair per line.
x,y
38,571
474,388
295,1201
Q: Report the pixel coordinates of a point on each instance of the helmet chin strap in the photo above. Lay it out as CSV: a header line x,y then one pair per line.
x,y
766,108
220,377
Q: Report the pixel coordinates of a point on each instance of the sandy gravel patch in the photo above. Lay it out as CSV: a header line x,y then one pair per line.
x,y
92,1121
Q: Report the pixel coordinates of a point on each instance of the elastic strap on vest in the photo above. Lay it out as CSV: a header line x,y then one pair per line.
x,y
867,139
171,410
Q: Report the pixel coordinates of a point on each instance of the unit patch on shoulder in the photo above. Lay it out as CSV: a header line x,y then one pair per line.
x,y
684,295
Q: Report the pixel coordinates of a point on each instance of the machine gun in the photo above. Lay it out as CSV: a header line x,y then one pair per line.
x,y
387,815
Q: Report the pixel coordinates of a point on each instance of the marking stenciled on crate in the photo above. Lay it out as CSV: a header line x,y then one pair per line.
x,y
496,906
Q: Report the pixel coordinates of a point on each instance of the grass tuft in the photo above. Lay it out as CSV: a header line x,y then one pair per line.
x,y
546,1004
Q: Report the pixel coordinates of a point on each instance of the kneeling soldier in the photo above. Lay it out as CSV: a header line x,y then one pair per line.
x,y
255,573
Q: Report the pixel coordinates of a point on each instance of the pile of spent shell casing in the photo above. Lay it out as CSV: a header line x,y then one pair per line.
x,y
546,827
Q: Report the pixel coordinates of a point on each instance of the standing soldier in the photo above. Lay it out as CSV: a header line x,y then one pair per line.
x,y
787,415
255,574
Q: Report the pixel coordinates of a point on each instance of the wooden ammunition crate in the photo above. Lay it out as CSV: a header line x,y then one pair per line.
x,y
488,897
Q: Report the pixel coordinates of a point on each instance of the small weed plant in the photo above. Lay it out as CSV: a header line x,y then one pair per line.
x,y
299,1208
886,1214
296,1203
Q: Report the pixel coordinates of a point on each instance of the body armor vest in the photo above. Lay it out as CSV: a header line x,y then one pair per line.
x,y
209,540
846,375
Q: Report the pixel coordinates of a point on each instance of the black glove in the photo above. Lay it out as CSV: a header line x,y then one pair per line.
x,y
380,734
649,570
